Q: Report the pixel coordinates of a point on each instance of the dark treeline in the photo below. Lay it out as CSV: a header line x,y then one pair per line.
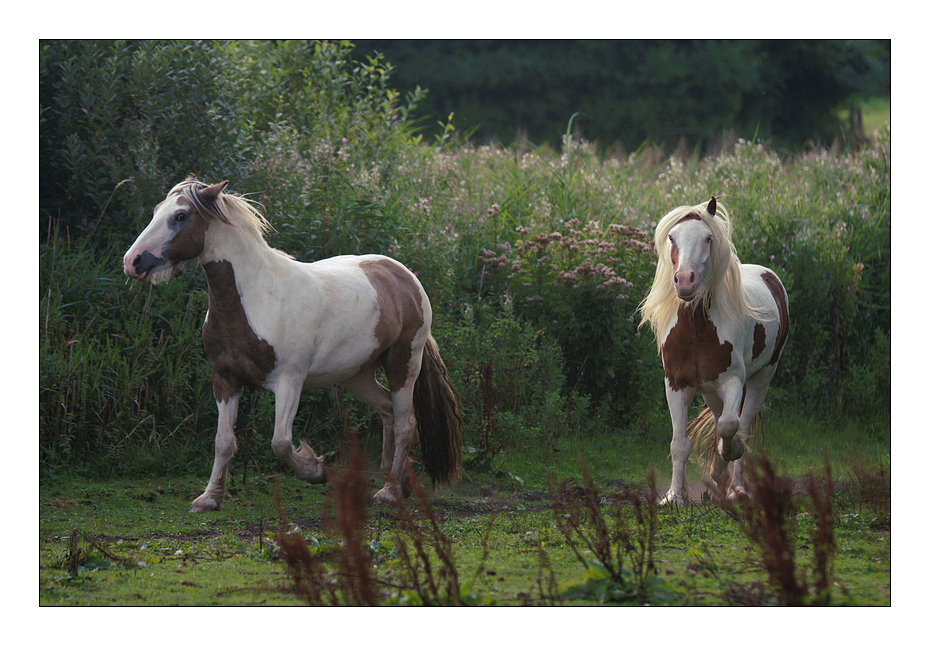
x,y
630,91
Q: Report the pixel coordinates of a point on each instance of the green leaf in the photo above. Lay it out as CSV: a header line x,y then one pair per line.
x,y
409,598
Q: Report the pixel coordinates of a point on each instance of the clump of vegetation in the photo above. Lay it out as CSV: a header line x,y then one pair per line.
x,y
416,567
616,551
534,258
869,491
575,283
769,519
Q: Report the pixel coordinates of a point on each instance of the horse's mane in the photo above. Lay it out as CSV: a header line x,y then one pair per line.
x,y
722,284
229,208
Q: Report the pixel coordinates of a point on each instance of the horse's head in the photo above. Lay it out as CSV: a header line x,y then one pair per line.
x,y
698,250
177,231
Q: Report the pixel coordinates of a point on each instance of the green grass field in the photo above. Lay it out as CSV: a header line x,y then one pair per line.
x,y
133,541
535,259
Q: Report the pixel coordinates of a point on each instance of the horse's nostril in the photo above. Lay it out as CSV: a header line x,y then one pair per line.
x,y
136,261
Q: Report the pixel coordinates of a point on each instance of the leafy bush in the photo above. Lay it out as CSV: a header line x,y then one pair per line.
x,y
534,259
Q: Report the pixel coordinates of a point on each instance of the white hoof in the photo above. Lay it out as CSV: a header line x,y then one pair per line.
x,y
731,450
737,492
385,497
307,465
206,503
674,498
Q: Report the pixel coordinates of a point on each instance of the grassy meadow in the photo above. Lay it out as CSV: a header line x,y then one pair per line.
x,y
534,415
535,260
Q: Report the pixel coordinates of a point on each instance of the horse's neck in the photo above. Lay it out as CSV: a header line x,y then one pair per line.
x,y
241,261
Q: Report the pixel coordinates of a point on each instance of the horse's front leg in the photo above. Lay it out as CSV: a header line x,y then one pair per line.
x,y
678,402
730,446
303,460
225,446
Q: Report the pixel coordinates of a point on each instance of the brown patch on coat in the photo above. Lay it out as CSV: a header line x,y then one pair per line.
x,y
400,318
694,215
781,302
692,352
758,340
188,228
238,356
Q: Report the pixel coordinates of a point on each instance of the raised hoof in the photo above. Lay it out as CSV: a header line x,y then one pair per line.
x,y
307,465
385,497
735,494
730,450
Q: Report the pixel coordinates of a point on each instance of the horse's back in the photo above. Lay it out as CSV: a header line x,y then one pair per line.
x,y
764,288
377,310
766,293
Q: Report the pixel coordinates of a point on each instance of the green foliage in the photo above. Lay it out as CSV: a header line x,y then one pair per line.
x,y
534,258
122,375
149,111
155,111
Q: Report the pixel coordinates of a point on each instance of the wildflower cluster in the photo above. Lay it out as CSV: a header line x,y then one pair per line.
x,y
582,284
575,257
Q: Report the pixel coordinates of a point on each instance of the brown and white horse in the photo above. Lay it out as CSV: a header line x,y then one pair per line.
x,y
286,326
720,327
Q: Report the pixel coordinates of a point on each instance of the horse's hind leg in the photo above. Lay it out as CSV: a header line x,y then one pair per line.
x,y
225,446
397,487
756,388
366,389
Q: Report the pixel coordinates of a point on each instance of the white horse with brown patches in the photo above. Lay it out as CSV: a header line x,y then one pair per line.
x,y
720,327
286,326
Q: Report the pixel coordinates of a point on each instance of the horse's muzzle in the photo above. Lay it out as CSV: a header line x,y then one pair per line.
x,y
143,264
686,283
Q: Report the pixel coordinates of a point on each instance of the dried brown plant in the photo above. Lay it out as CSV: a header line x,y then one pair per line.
x,y
768,516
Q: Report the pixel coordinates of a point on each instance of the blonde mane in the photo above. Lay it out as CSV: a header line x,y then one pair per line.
x,y
722,285
229,208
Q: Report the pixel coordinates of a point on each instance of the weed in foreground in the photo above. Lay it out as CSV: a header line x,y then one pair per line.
x,y
421,580
349,580
622,567
420,569
870,491
768,517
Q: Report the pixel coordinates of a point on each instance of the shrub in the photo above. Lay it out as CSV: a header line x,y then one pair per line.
x,y
534,258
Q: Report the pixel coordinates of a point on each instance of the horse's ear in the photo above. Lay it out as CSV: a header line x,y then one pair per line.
x,y
191,178
712,206
210,193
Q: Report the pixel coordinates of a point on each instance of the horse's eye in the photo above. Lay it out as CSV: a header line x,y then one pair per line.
x,y
670,239
709,238
180,217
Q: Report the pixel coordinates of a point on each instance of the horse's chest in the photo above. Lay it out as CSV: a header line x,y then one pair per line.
x,y
238,356
693,353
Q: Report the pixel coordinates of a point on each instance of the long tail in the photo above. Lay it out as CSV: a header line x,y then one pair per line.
x,y
438,418
702,429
